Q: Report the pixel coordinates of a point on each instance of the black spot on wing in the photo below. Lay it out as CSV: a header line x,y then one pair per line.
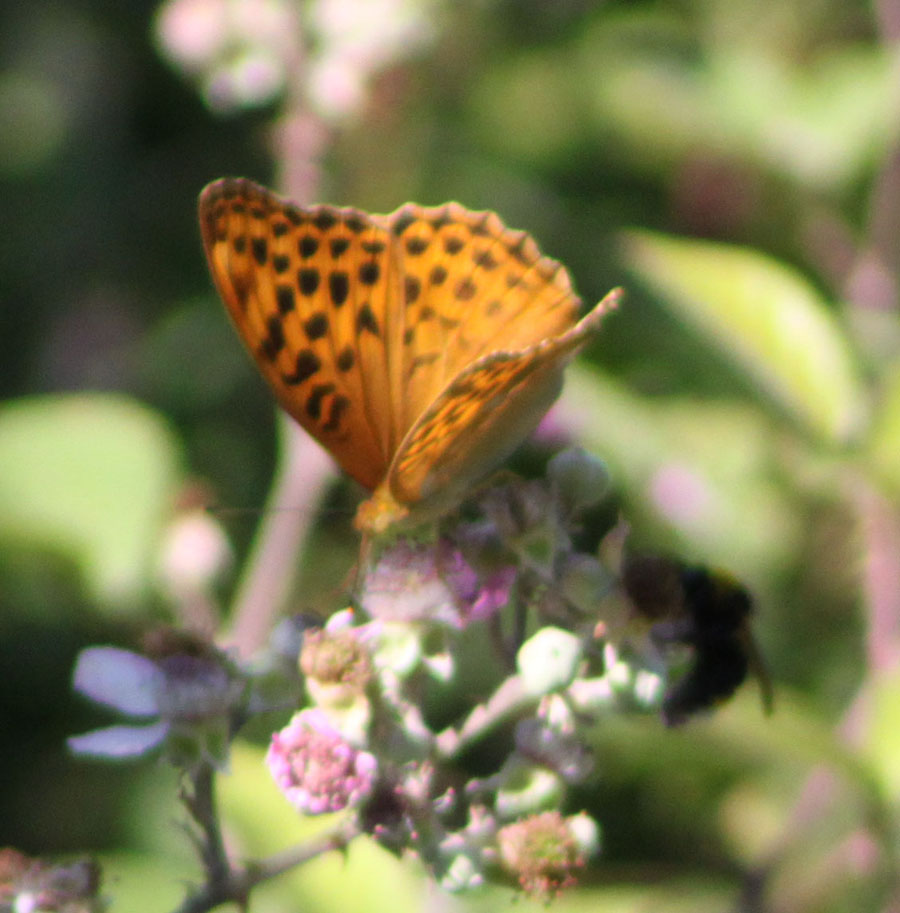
x,y
316,327
339,247
346,359
308,280
366,321
338,287
308,364
339,405
273,342
284,297
465,290
324,220
412,287
315,398
369,273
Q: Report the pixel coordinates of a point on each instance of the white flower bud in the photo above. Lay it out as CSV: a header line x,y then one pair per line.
x,y
548,661
586,832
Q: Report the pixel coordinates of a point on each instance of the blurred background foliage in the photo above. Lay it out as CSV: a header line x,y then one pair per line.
x,y
733,163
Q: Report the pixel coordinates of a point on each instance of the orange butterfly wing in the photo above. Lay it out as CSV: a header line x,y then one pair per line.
x,y
311,292
480,418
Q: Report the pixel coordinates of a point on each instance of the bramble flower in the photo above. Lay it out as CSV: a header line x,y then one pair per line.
x,y
338,671
433,583
542,853
316,768
354,40
479,596
187,700
526,788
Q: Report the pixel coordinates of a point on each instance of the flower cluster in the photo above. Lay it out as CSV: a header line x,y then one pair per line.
x,y
500,627
379,677
243,52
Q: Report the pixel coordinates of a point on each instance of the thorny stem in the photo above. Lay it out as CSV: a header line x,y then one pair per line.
x,y
225,883
236,886
200,801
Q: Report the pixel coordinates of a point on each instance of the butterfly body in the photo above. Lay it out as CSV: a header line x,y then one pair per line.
x,y
418,347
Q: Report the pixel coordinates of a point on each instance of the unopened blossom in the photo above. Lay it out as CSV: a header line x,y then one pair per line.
x,y
316,768
335,657
194,554
578,477
549,660
541,852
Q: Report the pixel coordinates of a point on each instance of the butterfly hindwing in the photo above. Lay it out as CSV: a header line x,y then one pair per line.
x,y
483,414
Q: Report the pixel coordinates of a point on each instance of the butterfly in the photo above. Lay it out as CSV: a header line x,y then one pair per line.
x,y
419,348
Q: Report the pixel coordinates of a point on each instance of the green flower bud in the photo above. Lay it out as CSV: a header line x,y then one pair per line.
x,y
581,479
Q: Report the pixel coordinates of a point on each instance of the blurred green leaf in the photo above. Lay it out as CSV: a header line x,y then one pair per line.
x,y
127,875
823,123
883,734
539,87
701,471
766,318
91,476
884,445
668,91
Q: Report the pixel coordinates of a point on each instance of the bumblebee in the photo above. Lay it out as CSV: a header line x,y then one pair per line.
x,y
708,612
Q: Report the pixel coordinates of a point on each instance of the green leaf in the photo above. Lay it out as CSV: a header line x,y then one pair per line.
x,y
765,317
883,733
884,444
91,477
700,473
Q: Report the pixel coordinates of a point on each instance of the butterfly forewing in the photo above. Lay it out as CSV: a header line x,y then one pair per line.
x,y
308,290
471,287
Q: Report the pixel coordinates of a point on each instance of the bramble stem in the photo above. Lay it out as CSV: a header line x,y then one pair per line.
x,y
225,883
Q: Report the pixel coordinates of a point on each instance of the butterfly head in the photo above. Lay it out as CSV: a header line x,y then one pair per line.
x,y
380,513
